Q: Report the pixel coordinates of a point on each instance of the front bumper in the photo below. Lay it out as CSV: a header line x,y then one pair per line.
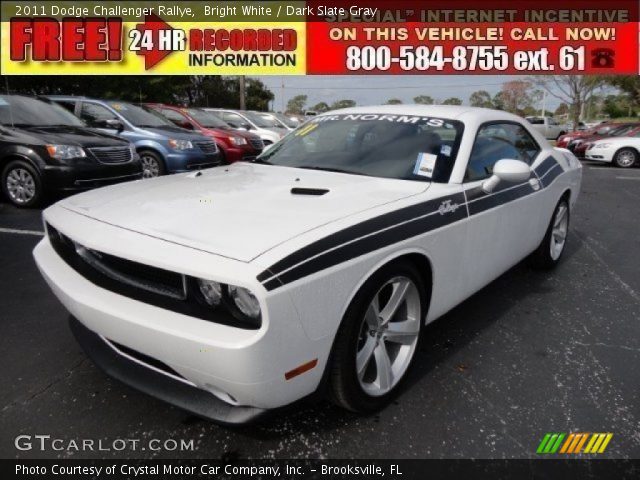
x,y
239,367
140,376
188,160
600,155
83,177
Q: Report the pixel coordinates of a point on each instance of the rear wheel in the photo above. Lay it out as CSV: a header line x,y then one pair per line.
x,y
152,164
548,254
625,158
378,338
21,184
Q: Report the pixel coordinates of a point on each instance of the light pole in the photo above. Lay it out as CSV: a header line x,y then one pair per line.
x,y
242,93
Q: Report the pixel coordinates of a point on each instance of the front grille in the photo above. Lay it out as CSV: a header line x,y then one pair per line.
x,y
207,147
154,286
256,143
111,154
118,270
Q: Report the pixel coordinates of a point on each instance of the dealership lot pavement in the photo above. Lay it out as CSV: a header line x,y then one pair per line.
x,y
532,353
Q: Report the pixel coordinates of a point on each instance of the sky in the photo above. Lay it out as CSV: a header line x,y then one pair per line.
x,y
377,89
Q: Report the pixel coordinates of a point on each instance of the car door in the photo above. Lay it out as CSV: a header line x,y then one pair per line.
x,y
503,225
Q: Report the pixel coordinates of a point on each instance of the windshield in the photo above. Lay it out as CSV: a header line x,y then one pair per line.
x,y
206,119
138,116
620,131
391,146
260,121
26,111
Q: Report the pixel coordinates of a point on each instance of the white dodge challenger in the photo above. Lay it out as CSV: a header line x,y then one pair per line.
x,y
240,289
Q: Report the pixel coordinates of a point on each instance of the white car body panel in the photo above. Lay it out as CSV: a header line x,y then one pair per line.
x,y
600,153
304,258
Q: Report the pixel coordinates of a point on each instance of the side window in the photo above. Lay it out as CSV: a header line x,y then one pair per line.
x,y
497,141
69,106
96,115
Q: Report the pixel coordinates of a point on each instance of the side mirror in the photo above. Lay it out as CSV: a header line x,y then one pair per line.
x,y
246,126
186,125
510,171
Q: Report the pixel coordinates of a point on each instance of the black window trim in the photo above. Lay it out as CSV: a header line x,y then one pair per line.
x,y
475,138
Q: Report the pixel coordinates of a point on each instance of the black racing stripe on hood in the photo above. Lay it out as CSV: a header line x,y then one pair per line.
x,y
362,246
356,231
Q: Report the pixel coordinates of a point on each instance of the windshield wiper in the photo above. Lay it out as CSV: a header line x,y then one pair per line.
x,y
329,169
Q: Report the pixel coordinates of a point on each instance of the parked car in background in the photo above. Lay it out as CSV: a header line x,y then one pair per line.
x,y
600,129
277,121
623,152
291,121
317,267
163,147
548,127
233,145
245,120
579,145
45,149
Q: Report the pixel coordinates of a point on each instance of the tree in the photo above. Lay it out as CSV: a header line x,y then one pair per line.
x,y
192,90
297,104
574,90
320,107
452,101
629,84
394,101
563,109
481,98
498,101
342,104
515,96
423,100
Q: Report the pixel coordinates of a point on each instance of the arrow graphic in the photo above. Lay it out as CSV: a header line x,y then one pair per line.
x,y
154,24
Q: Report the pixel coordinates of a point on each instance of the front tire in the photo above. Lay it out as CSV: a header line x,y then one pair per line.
x,y
625,158
550,250
378,338
152,164
22,185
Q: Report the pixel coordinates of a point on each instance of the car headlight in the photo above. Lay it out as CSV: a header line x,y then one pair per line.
x,y
134,152
245,301
211,292
238,140
65,152
238,301
602,145
180,144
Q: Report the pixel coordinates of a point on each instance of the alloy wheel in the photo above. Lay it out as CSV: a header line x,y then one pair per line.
x,y
150,166
388,336
21,186
559,231
626,158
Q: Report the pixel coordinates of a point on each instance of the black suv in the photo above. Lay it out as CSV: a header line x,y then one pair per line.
x,y
45,149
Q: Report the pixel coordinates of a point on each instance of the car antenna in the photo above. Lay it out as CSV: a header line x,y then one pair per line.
x,y
6,84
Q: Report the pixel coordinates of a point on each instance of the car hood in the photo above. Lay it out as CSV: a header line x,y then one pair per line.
x,y
175,133
66,135
239,211
618,140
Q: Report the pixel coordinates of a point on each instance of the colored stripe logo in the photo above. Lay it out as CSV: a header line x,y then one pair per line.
x,y
574,443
